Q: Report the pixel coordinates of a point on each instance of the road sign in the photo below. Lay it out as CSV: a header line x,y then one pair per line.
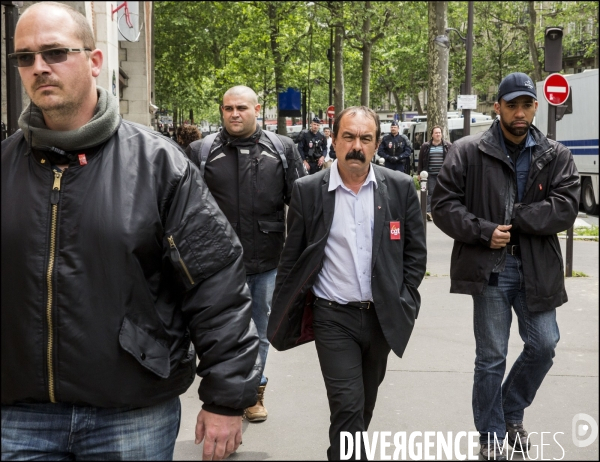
x,y
330,112
556,89
466,102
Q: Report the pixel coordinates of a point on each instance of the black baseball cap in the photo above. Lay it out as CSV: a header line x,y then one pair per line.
x,y
316,120
515,85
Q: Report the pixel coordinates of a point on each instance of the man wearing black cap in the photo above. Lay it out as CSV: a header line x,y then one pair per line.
x,y
395,149
503,195
312,146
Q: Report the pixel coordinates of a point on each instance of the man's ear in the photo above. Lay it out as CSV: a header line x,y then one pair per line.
x,y
497,108
96,59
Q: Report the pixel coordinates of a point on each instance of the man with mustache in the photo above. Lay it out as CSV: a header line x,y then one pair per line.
x,y
349,272
503,195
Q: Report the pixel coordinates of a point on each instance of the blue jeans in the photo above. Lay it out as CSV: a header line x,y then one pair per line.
x,y
496,403
46,431
261,287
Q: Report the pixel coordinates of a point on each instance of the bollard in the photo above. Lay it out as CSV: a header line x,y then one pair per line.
x,y
569,263
424,176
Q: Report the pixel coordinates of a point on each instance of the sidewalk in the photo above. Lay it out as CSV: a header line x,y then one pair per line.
x,y
430,388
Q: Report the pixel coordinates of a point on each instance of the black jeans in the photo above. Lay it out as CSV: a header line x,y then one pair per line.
x,y
353,355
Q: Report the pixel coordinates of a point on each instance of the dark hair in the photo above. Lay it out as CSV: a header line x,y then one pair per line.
x,y
83,29
351,112
433,128
186,134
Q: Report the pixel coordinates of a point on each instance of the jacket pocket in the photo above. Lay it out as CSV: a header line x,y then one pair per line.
x,y
148,351
271,226
199,254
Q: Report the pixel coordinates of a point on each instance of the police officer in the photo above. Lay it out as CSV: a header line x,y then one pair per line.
x,y
395,149
311,146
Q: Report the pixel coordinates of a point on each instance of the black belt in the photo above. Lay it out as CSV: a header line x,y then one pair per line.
x,y
360,305
513,250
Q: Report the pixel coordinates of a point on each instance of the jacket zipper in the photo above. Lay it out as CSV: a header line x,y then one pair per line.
x,y
54,198
254,189
176,257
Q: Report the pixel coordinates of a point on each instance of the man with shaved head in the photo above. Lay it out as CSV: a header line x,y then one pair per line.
x,y
117,267
250,173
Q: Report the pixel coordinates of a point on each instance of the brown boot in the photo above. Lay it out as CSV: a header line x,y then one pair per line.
x,y
258,412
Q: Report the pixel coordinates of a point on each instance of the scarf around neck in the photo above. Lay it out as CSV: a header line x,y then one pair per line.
x,y
100,128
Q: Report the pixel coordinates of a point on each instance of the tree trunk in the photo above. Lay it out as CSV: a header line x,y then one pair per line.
x,y
533,51
437,94
366,57
366,73
417,101
338,57
273,34
398,104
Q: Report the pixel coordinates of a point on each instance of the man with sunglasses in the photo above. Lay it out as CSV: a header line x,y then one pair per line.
x,y
116,264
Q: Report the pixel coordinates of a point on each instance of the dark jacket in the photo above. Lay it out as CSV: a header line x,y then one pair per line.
x,y
424,155
400,146
398,266
476,191
311,145
246,178
109,271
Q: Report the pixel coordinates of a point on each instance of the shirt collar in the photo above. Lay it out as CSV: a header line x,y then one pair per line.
x,y
335,179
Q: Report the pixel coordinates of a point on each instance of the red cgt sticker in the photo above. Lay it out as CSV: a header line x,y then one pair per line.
x,y
395,230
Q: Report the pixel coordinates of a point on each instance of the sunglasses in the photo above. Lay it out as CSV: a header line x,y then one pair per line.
x,y
51,56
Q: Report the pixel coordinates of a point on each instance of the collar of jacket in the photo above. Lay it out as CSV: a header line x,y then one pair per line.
x,y
491,145
232,141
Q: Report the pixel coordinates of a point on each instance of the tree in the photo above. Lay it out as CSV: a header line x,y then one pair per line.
x,y
437,94
365,34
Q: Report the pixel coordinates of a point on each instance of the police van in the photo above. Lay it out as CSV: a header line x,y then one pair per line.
x,y
579,132
419,134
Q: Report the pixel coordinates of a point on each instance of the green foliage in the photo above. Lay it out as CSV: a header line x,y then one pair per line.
x,y
593,231
203,48
579,274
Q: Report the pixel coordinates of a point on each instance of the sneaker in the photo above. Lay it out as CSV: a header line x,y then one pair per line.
x,y
491,452
517,435
258,412
429,217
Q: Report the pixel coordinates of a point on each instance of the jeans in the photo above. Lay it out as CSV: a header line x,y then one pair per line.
x,y
261,287
431,182
45,431
496,403
353,355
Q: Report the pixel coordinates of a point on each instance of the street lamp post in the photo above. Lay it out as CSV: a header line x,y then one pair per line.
x,y
469,65
330,57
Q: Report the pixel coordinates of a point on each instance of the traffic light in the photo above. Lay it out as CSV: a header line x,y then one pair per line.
x,y
553,49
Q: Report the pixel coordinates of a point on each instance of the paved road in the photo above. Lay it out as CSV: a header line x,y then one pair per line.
x,y
430,388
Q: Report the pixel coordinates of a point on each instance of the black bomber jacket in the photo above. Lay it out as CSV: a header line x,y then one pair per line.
x,y
111,271
246,177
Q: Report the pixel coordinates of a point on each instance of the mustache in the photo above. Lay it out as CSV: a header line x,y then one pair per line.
x,y
358,155
44,80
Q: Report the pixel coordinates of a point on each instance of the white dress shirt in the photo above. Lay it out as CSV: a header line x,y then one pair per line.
x,y
346,272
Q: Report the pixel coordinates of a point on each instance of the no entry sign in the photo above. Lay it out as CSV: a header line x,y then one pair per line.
x,y
330,112
556,89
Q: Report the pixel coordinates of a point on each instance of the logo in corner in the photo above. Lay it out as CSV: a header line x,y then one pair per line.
x,y
579,430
